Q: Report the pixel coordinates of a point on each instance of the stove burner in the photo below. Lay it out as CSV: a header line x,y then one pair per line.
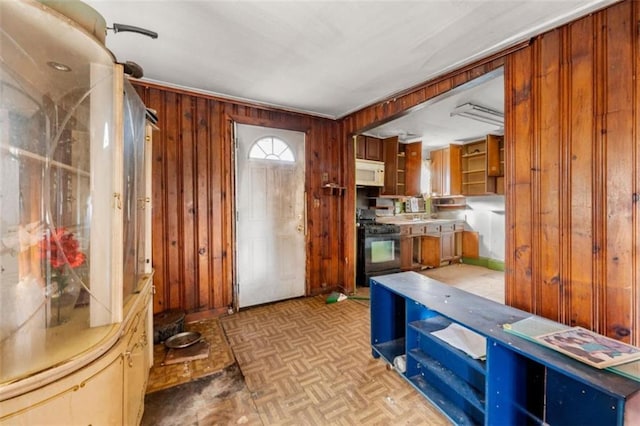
x,y
375,228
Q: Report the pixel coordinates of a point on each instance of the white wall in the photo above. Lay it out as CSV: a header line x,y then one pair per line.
x,y
484,214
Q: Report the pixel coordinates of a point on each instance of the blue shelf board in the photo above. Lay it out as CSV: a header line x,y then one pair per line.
x,y
451,381
446,406
426,326
391,349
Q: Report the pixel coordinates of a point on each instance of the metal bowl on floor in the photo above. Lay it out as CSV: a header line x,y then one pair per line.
x,y
183,340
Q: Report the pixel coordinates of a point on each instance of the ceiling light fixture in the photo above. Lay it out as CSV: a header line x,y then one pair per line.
x,y
479,113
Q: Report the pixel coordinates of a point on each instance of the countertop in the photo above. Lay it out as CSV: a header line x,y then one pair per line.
x,y
409,220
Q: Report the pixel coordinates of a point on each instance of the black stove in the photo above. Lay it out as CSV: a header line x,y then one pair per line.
x,y
373,228
378,248
366,221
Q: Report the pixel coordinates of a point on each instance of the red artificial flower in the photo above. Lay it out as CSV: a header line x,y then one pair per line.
x,y
63,249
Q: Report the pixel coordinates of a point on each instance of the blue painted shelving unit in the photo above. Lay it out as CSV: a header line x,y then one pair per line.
x,y
519,382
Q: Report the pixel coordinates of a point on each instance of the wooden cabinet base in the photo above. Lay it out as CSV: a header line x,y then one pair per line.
x,y
471,244
441,250
430,251
406,253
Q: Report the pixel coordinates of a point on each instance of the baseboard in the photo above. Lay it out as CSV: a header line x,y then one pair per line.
x,y
203,315
494,264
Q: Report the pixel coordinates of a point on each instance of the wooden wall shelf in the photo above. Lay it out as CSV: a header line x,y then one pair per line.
x,y
473,154
453,202
482,166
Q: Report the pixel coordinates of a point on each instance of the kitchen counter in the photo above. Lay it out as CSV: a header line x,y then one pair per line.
x,y
408,220
427,242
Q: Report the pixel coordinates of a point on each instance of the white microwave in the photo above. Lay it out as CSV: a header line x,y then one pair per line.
x,y
369,173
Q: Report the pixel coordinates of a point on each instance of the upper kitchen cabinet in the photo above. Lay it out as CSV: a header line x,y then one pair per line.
x,y
445,171
495,160
390,149
495,155
402,163
369,148
482,166
413,167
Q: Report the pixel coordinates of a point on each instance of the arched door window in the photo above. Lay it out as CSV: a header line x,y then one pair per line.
x,y
271,148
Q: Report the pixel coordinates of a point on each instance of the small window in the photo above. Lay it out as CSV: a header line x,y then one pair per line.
x,y
271,148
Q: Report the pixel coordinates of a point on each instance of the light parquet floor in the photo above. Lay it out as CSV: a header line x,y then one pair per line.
x,y
220,356
306,362
474,279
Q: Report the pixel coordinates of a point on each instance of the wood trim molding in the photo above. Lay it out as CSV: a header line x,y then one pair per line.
x,y
301,126
402,103
168,87
497,57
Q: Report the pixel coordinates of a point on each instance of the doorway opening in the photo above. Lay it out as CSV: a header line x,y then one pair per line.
x,y
270,220
461,177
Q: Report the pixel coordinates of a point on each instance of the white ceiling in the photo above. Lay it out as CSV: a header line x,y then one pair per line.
x,y
432,122
327,58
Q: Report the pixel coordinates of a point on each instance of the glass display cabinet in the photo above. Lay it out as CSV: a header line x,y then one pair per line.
x,y
75,269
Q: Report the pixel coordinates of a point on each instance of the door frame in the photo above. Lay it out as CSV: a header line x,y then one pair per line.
x,y
232,122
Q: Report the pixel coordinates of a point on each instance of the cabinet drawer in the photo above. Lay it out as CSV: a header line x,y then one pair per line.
x,y
459,226
417,230
432,229
447,227
405,230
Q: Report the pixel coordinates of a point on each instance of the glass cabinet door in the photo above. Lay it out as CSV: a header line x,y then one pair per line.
x,y
134,190
66,211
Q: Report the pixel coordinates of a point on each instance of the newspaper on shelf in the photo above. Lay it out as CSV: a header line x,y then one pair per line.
x,y
464,339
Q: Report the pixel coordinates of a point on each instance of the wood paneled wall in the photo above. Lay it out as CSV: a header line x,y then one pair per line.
x,y
572,168
572,179
572,171
193,198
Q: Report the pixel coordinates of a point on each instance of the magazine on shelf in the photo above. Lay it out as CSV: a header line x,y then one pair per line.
x,y
591,348
577,342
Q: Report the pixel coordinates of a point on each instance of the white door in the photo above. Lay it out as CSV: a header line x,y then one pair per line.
x,y
270,216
